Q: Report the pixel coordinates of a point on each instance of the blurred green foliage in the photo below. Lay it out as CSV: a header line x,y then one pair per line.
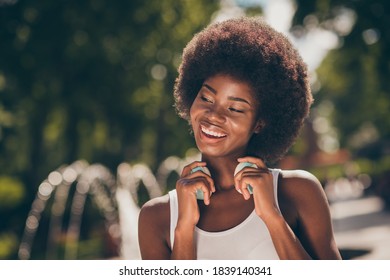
x,y
12,192
8,245
354,77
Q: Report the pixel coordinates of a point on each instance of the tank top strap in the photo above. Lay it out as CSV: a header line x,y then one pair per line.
x,y
275,173
174,214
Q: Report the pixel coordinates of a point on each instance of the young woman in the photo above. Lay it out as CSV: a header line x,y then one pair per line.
x,y
244,90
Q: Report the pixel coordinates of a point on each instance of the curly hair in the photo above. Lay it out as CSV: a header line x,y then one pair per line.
x,y
250,50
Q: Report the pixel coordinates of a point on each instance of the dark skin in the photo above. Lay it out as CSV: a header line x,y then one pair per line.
x,y
224,116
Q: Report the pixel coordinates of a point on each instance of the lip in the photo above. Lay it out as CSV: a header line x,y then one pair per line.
x,y
211,133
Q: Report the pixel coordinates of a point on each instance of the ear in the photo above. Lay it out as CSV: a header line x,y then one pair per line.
x,y
258,126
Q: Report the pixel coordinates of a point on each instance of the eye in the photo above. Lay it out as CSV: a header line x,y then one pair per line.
x,y
235,110
204,98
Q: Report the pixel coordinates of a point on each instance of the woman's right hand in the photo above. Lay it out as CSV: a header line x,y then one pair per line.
x,y
186,188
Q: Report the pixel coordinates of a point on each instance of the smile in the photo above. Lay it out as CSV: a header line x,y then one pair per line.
x,y
212,133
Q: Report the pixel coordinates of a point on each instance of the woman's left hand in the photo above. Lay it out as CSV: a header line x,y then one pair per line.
x,y
261,180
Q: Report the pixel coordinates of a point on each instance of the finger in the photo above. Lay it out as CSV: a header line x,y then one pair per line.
x,y
202,187
250,176
201,174
244,189
241,187
245,165
259,162
187,169
246,193
249,169
242,169
189,187
237,180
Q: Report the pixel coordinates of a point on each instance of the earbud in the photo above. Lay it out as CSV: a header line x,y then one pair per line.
x,y
241,166
205,170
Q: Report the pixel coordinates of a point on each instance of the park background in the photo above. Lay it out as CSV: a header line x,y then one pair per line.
x,y
89,83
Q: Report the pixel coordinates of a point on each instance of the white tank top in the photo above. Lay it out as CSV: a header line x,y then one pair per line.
x,y
250,240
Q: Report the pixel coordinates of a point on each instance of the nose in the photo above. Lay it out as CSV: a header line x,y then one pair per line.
x,y
215,114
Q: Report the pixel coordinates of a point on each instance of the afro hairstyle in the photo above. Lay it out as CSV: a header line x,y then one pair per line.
x,y
249,50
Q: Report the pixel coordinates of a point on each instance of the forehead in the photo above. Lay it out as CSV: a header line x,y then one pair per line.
x,y
229,85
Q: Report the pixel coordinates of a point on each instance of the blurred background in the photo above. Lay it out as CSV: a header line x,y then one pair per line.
x,y
88,132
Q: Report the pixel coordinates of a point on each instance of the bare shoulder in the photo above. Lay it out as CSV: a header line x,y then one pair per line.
x,y
300,175
300,178
301,186
304,197
155,210
153,228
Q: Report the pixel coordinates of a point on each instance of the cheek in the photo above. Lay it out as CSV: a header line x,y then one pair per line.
x,y
241,131
196,108
244,128
194,112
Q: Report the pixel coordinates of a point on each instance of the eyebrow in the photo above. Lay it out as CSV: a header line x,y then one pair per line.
x,y
230,97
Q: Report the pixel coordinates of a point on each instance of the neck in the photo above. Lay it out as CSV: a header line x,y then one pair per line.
x,y
222,171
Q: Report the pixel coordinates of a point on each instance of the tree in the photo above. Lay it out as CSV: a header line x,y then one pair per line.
x,y
354,76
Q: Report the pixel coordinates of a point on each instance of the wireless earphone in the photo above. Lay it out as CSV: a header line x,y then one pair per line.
x,y
199,193
239,167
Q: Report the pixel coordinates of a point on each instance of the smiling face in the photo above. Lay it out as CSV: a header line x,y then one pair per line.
x,y
223,117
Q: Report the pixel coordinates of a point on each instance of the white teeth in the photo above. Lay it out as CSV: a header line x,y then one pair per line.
x,y
212,133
